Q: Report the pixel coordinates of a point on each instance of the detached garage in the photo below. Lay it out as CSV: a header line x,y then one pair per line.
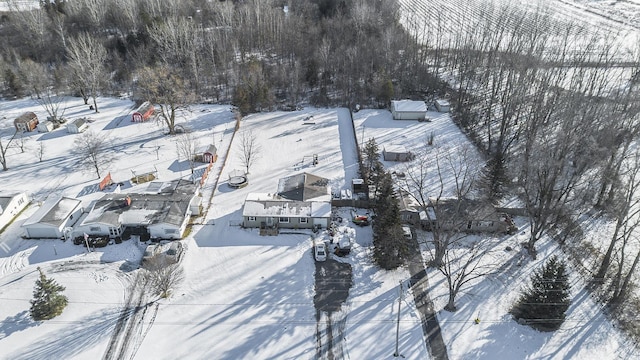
x,y
408,110
50,221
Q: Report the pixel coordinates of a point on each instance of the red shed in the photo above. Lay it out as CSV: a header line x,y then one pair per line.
x,y
143,112
26,122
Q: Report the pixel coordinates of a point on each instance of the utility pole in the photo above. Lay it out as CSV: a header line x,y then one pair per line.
x,y
396,354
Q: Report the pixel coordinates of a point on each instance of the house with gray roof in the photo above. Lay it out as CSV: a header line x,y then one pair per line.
x,y
53,218
303,201
163,210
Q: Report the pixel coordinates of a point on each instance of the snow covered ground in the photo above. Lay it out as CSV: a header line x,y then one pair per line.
x,y
248,296
244,296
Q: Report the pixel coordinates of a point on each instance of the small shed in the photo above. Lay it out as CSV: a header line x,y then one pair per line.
x,y
396,153
26,122
143,112
46,126
443,105
10,206
358,186
408,110
210,155
77,126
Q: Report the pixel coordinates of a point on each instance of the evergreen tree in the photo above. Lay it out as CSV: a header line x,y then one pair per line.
x,y
371,158
544,303
390,246
47,301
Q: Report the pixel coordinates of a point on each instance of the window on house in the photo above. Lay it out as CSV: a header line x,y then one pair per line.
x,y
251,218
304,220
283,220
170,231
94,228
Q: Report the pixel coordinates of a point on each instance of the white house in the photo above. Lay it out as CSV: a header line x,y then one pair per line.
x,y
77,126
54,216
408,110
10,206
443,105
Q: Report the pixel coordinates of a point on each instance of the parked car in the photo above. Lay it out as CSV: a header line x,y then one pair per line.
x,y
320,252
149,253
174,254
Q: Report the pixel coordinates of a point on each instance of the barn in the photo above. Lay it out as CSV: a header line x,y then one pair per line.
x,y
396,153
408,110
53,218
26,122
143,112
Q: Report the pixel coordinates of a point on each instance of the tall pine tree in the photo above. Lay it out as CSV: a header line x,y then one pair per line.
x,y
47,301
391,248
544,303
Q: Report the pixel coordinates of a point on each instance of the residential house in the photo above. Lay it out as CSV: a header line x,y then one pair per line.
x,y
26,122
303,201
408,110
163,211
54,219
11,204
410,210
467,215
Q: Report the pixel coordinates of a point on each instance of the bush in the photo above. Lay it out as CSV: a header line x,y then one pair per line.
x,y
544,303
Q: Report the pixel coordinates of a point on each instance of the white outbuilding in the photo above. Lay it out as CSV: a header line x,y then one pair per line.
x,y
408,110
443,105
53,217
77,126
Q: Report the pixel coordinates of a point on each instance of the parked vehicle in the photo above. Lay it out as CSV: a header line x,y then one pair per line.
x,y
320,252
149,253
361,220
174,254
406,232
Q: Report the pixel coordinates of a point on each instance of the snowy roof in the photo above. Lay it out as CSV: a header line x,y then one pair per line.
x,y
165,203
267,204
467,209
442,102
5,200
54,211
211,149
395,148
304,187
409,106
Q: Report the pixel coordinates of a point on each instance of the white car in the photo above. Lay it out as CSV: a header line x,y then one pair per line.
x,y
320,252
406,232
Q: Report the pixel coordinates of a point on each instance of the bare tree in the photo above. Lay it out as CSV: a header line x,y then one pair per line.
x,y
40,151
249,149
86,57
462,265
20,142
162,275
164,87
3,151
187,148
92,149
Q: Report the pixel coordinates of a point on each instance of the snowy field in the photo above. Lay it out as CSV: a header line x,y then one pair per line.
x,y
252,297
244,296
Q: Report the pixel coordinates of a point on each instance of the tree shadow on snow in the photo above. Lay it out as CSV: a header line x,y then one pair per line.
x,y
18,322
72,340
